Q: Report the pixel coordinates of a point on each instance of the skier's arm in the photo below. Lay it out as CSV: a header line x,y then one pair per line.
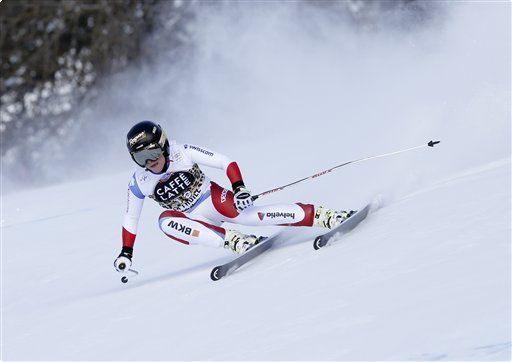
x,y
135,201
204,156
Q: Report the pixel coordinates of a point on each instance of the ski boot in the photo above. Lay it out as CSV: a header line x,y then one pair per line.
x,y
238,242
328,218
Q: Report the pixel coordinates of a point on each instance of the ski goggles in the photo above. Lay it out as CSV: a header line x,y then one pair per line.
x,y
143,156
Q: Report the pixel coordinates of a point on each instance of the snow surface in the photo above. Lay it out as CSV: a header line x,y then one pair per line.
x,y
426,277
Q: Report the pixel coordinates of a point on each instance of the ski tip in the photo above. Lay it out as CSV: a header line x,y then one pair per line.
x,y
215,275
433,143
317,244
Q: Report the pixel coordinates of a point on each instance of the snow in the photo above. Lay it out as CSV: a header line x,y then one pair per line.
x,y
427,276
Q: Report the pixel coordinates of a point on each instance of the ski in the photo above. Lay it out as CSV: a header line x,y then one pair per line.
x,y
345,227
222,270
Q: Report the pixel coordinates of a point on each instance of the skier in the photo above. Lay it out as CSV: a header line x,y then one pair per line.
x,y
169,173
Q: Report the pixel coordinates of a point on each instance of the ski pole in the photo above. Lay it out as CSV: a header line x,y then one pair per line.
x,y
124,279
321,173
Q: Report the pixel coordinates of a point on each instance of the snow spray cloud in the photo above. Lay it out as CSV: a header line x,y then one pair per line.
x,y
289,88
307,89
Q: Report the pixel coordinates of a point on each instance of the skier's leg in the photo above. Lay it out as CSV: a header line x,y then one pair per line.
x,y
189,230
284,214
280,214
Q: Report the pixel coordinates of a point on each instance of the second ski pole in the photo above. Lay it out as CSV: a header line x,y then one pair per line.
x,y
321,173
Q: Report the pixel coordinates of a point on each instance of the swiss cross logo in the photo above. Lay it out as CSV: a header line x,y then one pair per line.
x,y
261,215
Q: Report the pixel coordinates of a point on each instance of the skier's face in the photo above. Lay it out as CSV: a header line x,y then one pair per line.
x,y
157,165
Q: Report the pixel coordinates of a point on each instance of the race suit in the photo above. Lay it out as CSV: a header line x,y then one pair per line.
x,y
196,206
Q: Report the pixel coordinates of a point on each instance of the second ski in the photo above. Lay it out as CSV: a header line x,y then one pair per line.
x,y
345,227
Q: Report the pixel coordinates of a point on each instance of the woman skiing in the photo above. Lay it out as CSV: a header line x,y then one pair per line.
x,y
196,207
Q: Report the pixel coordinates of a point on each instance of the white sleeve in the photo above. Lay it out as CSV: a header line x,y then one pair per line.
x,y
206,157
135,201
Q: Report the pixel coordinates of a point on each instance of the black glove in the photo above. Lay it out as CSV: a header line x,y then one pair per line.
x,y
124,261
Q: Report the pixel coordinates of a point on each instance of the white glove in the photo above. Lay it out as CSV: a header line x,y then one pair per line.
x,y
123,261
242,198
